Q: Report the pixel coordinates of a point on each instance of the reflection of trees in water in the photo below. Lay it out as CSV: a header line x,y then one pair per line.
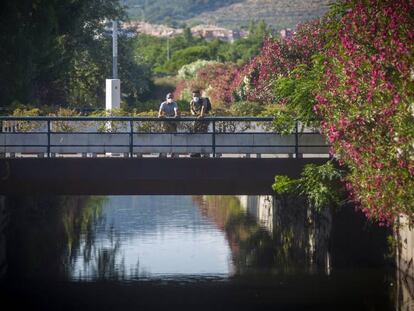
x,y
302,235
44,233
303,238
103,260
404,292
298,242
251,245
99,262
80,223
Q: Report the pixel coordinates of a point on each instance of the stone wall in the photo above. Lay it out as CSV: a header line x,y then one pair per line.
x,y
404,292
405,249
405,265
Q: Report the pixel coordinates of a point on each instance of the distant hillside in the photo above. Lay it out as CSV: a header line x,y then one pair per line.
x,y
278,13
227,13
172,12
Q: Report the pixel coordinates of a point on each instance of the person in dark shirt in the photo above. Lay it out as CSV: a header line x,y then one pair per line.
x,y
200,107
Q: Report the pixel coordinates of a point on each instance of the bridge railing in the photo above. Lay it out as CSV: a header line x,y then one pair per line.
x,y
138,136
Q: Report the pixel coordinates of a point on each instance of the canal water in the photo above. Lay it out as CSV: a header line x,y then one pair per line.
x,y
190,253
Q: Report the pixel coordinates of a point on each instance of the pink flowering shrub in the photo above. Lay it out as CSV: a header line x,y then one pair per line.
x,y
215,79
366,102
354,72
254,81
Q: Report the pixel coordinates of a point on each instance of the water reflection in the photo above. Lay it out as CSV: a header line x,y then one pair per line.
x,y
135,237
147,236
199,251
404,299
268,236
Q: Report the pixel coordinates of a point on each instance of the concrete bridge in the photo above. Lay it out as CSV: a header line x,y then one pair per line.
x,y
120,155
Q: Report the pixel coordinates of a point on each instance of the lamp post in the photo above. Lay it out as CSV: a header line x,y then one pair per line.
x,y
168,44
114,49
113,86
168,48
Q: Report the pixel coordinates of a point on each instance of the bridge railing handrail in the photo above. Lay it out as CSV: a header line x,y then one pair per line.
x,y
120,118
214,120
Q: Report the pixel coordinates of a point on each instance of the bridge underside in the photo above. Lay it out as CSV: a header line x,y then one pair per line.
x,y
124,176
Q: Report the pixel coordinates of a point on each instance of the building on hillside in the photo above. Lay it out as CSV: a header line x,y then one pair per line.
x,y
151,29
210,32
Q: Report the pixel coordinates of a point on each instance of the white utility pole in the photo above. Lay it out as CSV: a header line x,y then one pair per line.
x,y
113,86
168,44
114,50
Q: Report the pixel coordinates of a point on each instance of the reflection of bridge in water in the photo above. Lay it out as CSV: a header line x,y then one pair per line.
x,y
119,155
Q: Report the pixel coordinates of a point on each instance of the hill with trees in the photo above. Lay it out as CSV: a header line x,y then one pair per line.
x,y
172,12
227,13
278,14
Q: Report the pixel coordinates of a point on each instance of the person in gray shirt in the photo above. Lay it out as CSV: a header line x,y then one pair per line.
x,y
169,109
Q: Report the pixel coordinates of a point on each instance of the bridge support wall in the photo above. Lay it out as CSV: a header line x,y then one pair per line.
x,y
145,175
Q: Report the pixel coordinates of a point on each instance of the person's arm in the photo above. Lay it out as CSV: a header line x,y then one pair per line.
x,y
203,108
161,111
193,112
176,111
201,112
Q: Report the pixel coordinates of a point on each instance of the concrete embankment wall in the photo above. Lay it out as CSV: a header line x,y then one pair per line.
x,y
405,249
405,265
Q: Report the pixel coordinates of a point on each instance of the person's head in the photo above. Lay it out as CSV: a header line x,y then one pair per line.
x,y
196,95
170,97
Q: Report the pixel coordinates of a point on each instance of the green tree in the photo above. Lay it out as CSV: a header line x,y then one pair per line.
x,y
43,40
188,36
187,56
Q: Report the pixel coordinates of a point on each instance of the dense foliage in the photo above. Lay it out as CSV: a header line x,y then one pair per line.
x,y
57,52
214,79
319,184
168,55
366,101
354,73
277,59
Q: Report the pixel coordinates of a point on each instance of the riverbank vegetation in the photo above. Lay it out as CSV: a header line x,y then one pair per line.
x,y
351,75
359,89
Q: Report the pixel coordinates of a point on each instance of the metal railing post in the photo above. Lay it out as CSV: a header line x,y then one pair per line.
x,y
214,138
48,138
131,139
296,140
